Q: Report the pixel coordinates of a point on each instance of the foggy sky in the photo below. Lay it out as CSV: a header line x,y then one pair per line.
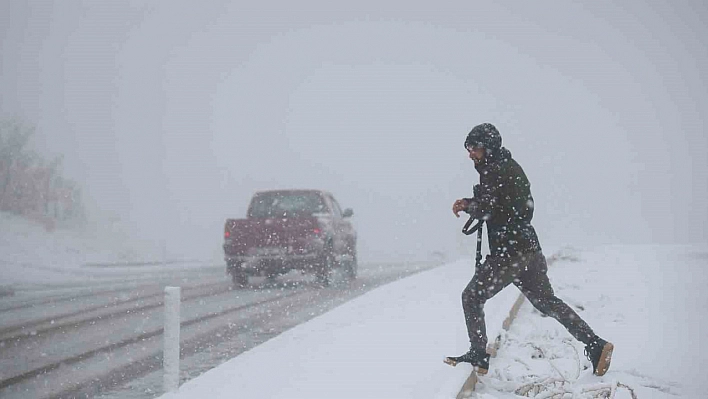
x,y
172,113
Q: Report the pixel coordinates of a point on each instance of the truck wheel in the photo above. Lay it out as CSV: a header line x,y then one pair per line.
x,y
350,268
323,274
238,277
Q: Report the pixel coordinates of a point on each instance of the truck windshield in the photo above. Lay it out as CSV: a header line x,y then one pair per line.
x,y
274,205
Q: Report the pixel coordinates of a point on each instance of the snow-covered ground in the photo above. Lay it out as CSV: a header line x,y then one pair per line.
x,y
648,300
389,343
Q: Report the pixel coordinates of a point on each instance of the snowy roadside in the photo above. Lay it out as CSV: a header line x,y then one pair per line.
x,y
389,343
648,300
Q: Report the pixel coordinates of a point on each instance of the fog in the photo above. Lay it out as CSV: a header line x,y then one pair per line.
x,y
172,113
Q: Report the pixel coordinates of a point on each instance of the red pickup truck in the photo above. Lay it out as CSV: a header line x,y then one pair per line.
x,y
288,230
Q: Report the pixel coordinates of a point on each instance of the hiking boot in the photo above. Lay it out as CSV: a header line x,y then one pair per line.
x,y
599,352
478,358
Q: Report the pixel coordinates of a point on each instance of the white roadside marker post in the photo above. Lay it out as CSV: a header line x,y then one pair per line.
x,y
170,359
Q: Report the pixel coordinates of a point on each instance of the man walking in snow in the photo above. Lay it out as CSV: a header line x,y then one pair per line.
x,y
503,200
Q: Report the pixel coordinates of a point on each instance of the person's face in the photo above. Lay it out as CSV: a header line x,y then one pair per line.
x,y
476,154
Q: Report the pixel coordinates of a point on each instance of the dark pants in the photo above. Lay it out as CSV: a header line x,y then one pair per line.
x,y
528,273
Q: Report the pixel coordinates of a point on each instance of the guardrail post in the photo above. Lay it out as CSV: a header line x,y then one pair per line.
x,y
170,359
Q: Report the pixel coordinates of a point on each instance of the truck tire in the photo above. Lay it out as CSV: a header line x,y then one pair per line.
x,y
238,276
323,273
239,279
350,268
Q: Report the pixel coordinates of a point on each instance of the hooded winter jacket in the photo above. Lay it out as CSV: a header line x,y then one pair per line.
x,y
503,199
